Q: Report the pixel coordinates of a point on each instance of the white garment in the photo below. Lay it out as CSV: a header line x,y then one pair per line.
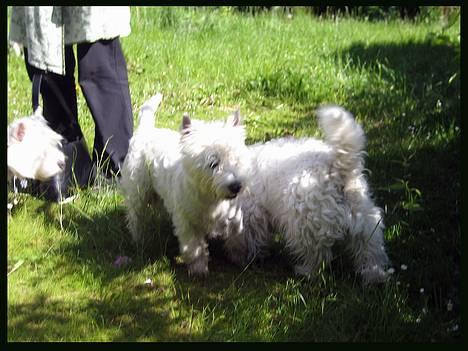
x,y
45,30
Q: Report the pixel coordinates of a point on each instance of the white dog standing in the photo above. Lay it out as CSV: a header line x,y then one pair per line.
x,y
313,193
34,149
193,171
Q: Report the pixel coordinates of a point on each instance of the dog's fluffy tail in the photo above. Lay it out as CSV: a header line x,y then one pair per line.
x,y
147,111
346,136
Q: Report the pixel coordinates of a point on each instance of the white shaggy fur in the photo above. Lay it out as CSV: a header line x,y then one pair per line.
x,y
194,172
313,193
34,149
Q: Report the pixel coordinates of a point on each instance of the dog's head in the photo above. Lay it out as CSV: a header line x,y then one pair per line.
x,y
34,149
214,155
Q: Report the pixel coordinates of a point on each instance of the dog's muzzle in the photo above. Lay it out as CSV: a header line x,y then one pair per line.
x,y
234,189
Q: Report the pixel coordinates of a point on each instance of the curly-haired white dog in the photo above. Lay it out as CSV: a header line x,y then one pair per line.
x,y
314,194
194,172
34,149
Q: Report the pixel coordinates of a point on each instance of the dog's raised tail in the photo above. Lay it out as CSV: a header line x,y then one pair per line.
x,y
147,111
345,135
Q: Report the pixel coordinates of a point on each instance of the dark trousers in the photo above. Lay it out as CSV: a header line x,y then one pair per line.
x,y
102,75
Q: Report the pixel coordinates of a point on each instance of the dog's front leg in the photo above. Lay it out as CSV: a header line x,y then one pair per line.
x,y
193,249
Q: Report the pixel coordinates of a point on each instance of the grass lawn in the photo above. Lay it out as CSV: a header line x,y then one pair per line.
x,y
402,82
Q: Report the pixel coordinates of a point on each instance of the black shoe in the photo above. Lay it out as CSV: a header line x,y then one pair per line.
x,y
50,190
78,171
54,189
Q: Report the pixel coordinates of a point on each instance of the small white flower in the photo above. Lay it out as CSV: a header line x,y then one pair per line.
x,y
391,270
449,306
9,206
404,267
421,290
15,202
455,327
418,320
148,282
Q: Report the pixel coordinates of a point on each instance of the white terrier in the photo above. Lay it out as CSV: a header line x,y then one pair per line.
x,y
313,193
34,149
194,172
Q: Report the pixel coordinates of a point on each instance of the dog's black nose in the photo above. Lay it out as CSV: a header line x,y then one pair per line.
x,y
61,165
235,187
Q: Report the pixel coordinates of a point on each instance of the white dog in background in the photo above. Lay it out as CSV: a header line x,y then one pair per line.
x,y
314,194
34,150
193,171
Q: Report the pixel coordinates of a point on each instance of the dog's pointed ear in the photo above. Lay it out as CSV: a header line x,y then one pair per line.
x,y
19,131
234,119
186,124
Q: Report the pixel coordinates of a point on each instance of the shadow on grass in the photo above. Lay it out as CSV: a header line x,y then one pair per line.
x,y
416,85
419,63
45,319
121,307
261,304
413,133
101,310
228,305
102,238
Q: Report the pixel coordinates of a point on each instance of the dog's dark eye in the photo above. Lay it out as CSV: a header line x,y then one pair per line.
x,y
214,162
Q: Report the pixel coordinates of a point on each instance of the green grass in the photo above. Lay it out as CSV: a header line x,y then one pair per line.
x,y
402,82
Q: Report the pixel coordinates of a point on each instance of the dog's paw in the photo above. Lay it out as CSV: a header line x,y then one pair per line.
x,y
304,270
374,275
237,258
198,267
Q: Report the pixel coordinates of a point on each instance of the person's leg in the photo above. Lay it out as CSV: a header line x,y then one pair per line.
x,y
102,74
59,97
60,110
